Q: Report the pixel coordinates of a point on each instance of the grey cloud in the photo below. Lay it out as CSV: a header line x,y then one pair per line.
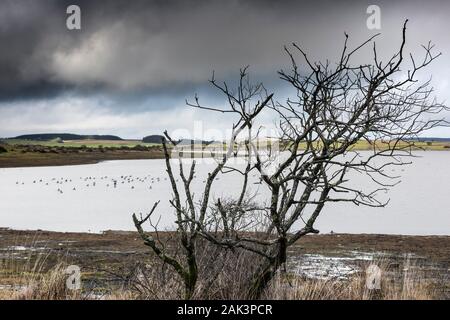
x,y
140,55
163,45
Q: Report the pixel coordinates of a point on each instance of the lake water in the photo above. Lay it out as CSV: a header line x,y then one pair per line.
x,y
84,198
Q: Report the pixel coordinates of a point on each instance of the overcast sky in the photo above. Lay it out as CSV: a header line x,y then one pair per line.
x,y
130,68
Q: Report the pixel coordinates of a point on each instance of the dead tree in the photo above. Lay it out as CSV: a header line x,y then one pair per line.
x,y
191,214
335,107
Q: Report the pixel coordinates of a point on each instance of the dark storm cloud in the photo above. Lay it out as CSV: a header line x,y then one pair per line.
x,y
126,48
30,31
134,45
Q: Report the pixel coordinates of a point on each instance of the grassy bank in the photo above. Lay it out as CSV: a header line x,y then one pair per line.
x,y
399,284
27,153
58,155
89,143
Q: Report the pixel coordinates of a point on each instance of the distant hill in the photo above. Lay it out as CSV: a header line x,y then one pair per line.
x,y
65,136
153,139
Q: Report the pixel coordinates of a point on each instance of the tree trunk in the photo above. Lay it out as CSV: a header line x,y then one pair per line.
x,y
190,278
267,271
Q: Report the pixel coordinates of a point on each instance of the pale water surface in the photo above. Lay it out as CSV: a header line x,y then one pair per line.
x,y
66,199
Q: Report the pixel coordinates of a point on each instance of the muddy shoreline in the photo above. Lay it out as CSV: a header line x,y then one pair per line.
x,y
106,244
106,257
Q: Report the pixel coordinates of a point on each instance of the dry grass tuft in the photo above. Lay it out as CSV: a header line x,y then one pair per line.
x,y
48,286
26,277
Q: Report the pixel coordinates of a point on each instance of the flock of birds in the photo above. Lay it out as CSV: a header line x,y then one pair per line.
x,y
128,181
